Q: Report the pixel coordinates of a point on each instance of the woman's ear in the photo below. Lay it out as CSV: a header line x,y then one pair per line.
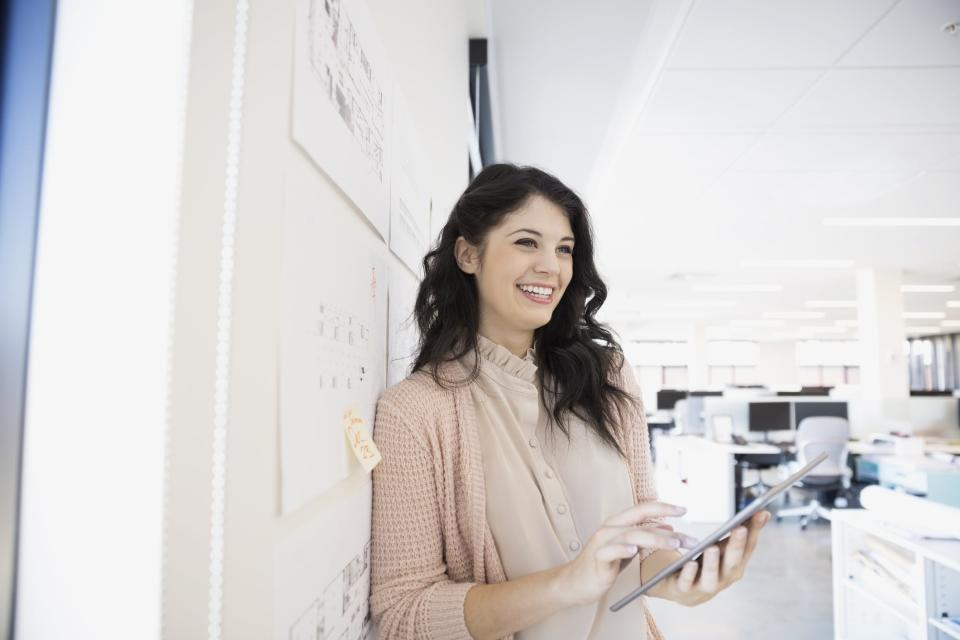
x,y
466,255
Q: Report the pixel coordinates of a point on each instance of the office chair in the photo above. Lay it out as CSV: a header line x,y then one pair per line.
x,y
816,435
758,462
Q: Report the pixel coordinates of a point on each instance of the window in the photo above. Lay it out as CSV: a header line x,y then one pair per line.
x,y
828,363
658,365
934,363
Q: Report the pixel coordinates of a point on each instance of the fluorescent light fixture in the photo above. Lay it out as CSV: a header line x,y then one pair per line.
x,y
800,263
738,288
953,304
704,304
850,324
757,323
928,288
921,329
924,315
950,323
794,315
827,329
831,304
656,314
891,222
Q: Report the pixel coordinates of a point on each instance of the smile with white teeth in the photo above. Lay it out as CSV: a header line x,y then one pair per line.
x,y
540,292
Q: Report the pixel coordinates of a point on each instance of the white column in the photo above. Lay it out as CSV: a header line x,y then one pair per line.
x,y
777,363
884,379
697,373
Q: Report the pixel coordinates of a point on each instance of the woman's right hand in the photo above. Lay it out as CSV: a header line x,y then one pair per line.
x,y
591,574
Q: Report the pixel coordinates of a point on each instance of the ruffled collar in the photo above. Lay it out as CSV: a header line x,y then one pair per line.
x,y
524,368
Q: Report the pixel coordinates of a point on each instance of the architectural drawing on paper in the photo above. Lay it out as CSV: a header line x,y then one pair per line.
x,y
343,613
340,64
332,351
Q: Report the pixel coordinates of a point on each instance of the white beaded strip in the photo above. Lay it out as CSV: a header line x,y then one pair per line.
x,y
224,312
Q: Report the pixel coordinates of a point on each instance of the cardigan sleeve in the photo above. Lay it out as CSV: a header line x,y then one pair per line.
x,y
411,594
637,441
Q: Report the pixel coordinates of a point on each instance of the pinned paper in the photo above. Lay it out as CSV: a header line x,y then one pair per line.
x,y
360,441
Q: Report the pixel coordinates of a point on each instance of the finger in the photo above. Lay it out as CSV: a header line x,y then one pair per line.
x,y
687,575
710,571
644,511
611,552
733,552
661,525
650,538
757,523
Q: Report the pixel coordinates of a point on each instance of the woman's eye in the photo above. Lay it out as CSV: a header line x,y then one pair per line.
x,y
567,250
526,240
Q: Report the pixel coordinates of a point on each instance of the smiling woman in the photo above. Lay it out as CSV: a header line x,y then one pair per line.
x,y
515,494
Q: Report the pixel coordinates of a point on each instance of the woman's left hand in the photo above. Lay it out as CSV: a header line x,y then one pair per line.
x,y
717,568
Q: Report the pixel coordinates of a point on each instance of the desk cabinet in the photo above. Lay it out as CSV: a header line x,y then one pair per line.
x,y
696,474
888,585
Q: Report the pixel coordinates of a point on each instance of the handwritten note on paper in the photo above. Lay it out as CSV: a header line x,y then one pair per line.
x,y
363,446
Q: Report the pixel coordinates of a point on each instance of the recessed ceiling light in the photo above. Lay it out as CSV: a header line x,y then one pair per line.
x,y
738,288
927,288
891,222
797,264
953,304
831,304
950,323
794,315
924,315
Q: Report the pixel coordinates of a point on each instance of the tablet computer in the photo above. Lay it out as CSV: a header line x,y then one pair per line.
x,y
717,535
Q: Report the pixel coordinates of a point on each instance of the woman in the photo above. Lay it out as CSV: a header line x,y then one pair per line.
x,y
515,494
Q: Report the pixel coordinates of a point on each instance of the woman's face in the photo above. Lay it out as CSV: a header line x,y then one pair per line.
x,y
532,247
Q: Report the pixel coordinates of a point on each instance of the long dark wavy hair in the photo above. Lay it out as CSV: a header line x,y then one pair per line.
x,y
577,356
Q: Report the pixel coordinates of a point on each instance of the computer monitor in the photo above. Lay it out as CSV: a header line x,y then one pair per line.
x,y
667,398
769,416
802,410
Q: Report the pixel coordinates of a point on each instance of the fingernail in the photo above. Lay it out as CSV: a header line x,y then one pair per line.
x,y
673,542
679,510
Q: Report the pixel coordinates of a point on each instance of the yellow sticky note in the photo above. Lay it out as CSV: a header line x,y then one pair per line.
x,y
360,441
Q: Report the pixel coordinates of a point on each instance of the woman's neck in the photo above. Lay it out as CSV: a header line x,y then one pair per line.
x,y
517,342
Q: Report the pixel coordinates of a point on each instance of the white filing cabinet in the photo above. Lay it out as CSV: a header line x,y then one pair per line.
x,y
887,585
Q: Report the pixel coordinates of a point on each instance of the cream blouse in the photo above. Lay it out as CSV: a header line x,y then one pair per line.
x,y
546,496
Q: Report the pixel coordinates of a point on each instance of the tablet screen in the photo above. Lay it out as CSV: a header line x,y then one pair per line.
x,y
725,528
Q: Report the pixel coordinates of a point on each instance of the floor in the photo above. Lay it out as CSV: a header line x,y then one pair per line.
x,y
786,593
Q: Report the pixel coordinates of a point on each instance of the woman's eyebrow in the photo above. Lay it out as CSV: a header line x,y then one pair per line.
x,y
537,233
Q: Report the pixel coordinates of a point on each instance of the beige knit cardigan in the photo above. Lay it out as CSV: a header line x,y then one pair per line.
x,y
430,539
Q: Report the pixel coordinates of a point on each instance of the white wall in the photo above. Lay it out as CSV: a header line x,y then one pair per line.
x,y
427,46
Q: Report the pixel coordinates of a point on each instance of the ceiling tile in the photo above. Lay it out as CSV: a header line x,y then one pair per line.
x,y
910,35
766,33
735,100
880,99
908,153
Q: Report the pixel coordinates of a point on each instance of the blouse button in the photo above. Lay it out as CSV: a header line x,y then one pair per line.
x,y
561,508
548,473
575,545
533,442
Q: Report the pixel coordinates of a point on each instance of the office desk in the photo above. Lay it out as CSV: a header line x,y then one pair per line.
x,y
702,475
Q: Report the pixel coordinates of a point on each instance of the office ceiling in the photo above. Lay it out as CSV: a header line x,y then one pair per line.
x,y
706,133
